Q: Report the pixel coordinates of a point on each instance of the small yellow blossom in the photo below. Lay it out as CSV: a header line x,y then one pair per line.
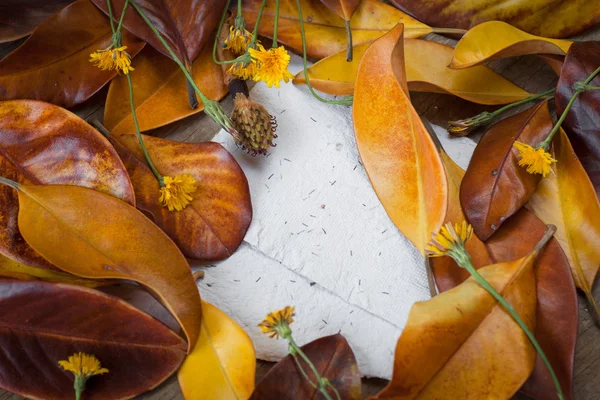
x,y
176,194
272,65
113,58
277,323
238,40
537,161
448,238
244,72
83,366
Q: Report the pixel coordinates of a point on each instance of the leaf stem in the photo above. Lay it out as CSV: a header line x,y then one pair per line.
x,y
349,39
345,101
545,144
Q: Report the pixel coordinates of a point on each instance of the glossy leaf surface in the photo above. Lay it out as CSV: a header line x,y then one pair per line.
x,y
551,18
465,326
397,151
582,123
325,31
18,18
94,235
44,144
566,198
223,362
214,224
495,186
426,71
494,40
343,8
43,323
334,360
53,64
158,84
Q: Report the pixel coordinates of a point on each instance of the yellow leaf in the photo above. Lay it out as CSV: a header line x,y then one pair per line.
x,y
223,362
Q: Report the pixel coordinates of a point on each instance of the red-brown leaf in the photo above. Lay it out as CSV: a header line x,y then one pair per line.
x,y
18,18
495,186
53,64
43,323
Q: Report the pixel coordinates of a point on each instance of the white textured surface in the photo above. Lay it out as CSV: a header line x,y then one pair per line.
x,y
320,239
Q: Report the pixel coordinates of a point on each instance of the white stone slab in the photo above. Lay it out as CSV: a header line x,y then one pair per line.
x,y
320,239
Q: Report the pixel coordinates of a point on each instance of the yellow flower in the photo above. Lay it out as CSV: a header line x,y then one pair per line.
x,y
113,58
537,161
244,72
176,194
277,323
238,40
83,366
272,65
448,238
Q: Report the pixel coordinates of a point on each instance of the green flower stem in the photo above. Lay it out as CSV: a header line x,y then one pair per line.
x,y
304,374
322,382
276,23
211,107
462,257
349,39
79,386
117,37
221,22
578,89
239,9
256,25
8,182
518,103
346,101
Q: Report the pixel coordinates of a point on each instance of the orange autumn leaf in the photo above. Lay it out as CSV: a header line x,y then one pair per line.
x,y
567,199
493,40
325,30
223,362
96,236
397,151
426,71
157,86
466,326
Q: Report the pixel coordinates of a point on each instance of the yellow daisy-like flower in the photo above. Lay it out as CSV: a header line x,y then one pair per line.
x,y
176,194
277,323
238,40
537,161
448,238
113,58
272,65
244,72
83,366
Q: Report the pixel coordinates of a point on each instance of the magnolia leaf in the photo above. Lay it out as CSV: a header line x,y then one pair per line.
x,y
223,362
551,18
93,235
43,323
213,225
53,64
45,144
426,71
567,199
494,40
495,186
397,151
325,31
18,18
333,358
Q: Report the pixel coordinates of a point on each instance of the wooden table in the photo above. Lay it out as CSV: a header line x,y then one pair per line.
x,y
529,72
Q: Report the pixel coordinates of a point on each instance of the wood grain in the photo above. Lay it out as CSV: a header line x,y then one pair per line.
x,y
529,72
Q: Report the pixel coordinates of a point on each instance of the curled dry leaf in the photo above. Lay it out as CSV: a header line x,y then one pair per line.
x,y
53,64
51,322
325,31
223,362
467,326
582,123
426,71
157,85
495,39
93,235
44,144
18,18
495,186
398,153
551,18
333,359
566,198
214,224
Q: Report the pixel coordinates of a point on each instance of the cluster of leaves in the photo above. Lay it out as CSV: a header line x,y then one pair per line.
x,y
80,211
